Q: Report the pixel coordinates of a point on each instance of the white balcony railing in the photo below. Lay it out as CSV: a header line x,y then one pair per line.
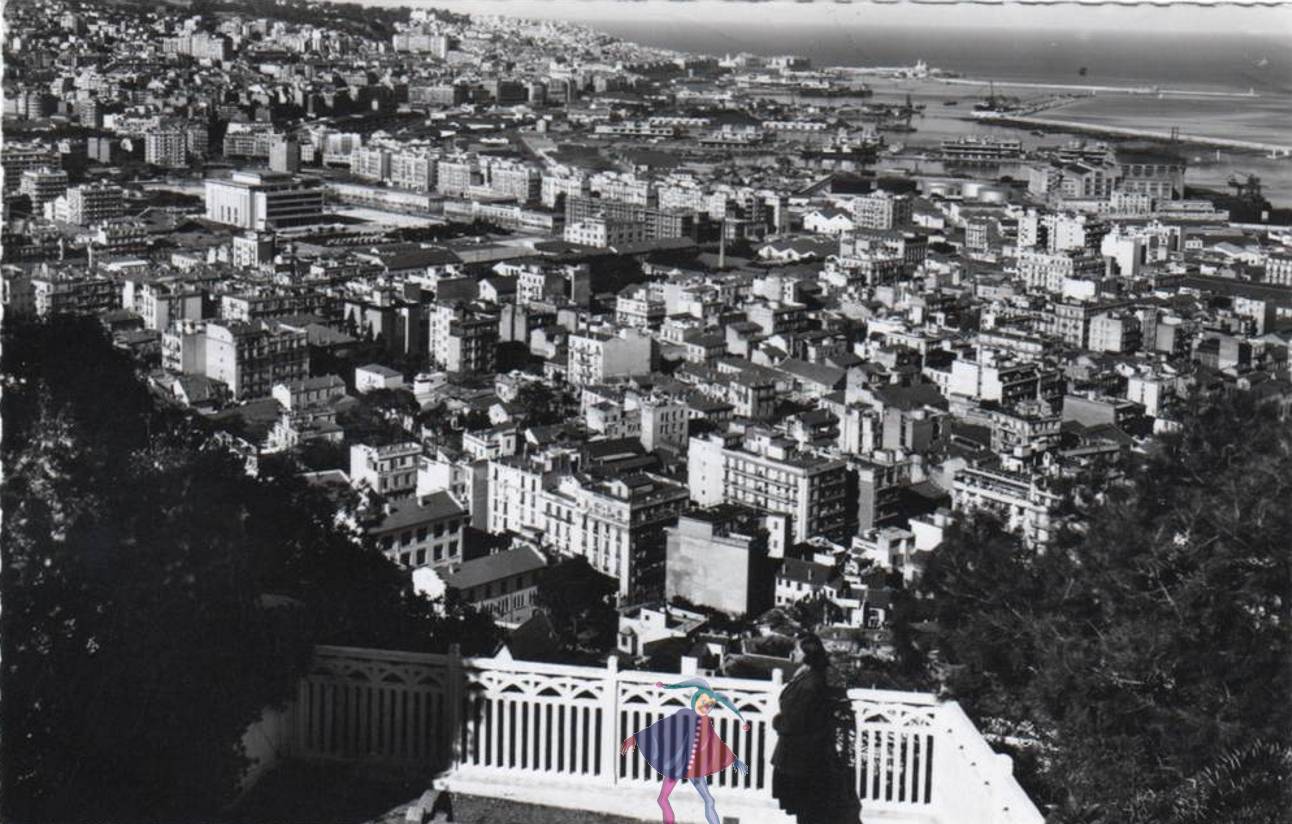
x,y
550,734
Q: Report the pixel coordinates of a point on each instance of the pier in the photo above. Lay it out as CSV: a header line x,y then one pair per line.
x,y
1271,149
1092,89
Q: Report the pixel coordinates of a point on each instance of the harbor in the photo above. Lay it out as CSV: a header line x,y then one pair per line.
x,y
1274,151
1097,89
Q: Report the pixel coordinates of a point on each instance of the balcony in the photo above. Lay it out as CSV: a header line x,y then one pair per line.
x,y
549,734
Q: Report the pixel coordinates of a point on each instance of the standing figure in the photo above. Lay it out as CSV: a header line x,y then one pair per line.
x,y
685,746
808,777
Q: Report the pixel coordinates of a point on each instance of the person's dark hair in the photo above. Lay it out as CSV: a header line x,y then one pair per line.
x,y
814,654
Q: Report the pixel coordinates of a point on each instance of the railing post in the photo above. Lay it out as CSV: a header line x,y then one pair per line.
x,y
454,717
610,722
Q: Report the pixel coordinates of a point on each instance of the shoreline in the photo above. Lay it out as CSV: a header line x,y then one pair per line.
x,y
1271,150
1095,89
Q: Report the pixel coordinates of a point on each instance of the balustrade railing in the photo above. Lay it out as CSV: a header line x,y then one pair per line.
x,y
550,733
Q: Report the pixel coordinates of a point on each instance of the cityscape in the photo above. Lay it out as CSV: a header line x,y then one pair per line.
x,y
426,415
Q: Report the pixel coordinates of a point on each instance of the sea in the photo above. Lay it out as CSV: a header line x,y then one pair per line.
x,y
1228,58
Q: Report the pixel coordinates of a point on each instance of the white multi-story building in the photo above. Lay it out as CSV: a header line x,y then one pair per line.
x,y
389,470
413,170
598,356
617,525
456,175
637,307
554,189
1023,503
881,210
624,188
663,422
43,185
166,147
88,204
603,233
767,472
263,200
1278,268
1117,331
372,163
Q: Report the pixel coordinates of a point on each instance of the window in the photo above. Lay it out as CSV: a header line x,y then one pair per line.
x,y
453,548
421,557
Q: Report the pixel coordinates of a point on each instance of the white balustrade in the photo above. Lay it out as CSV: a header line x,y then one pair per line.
x,y
550,734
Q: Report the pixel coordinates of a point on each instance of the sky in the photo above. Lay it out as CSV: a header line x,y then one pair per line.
x,y
1181,17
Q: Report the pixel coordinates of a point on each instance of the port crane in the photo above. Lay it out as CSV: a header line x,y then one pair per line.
x,y
1247,187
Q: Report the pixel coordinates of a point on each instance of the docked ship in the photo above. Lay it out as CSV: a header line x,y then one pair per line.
x,y
981,149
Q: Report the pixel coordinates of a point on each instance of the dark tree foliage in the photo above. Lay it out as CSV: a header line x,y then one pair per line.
x,y
156,598
1147,654
580,603
542,406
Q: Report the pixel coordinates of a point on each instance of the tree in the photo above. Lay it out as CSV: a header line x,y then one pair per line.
x,y
1142,651
156,598
579,602
542,406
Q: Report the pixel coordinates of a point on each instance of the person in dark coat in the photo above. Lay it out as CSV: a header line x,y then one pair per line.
x,y
809,779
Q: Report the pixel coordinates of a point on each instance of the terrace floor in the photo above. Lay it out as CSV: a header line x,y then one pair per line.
x,y
310,794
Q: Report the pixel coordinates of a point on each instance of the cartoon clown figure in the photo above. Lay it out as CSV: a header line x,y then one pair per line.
x,y
686,747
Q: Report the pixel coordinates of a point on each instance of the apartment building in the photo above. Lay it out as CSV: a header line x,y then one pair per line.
x,y
616,524
88,204
987,376
718,558
597,356
503,585
263,200
881,210
42,185
59,294
250,358
389,470
413,170
1021,500
460,341
421,531
769,473
167,148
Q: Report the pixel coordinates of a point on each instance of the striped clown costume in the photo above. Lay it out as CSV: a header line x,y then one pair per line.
x,y
685,746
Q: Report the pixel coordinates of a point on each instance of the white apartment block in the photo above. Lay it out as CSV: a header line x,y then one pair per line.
x,y
624,188
663,422
603,233
1023,504
596,356
262,200
617,525
413,170
389,470
88,204
43,185
881,210
168,147
554,188
372,163
767,472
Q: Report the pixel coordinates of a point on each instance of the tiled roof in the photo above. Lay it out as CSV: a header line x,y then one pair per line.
x,y
496,567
